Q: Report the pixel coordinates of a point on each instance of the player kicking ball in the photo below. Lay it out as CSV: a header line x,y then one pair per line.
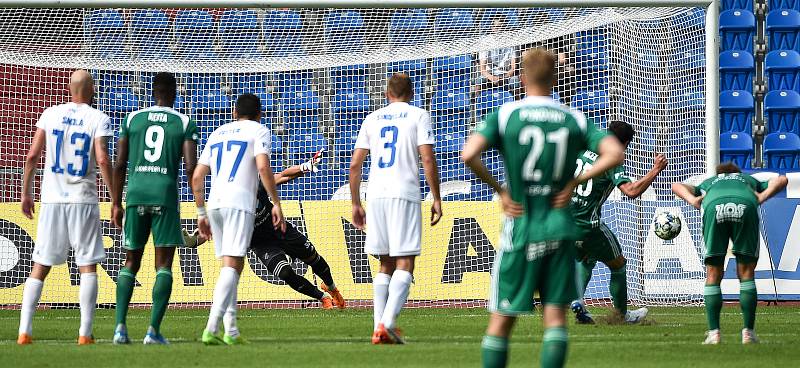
x,y
75,138
274,249
729,206
597,242
540,141
237,156
396,136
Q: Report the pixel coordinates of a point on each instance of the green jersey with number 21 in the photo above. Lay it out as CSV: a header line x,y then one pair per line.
x,y
155,147
539,140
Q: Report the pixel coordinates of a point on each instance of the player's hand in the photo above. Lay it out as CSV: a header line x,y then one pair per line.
x,y
436,212
27,206
564,197
116,216
696,201
660,162
359,217
204,227
278,222
312,165
510,207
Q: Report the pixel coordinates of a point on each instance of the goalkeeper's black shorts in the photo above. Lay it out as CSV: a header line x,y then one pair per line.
x,y
268,243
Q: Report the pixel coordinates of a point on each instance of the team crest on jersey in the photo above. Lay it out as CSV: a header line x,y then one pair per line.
x,y
730,212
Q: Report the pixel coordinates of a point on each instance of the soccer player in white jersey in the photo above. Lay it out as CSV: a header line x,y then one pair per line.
x,y
236,154
75,139
396,136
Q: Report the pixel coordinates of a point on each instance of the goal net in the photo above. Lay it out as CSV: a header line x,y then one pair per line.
x,y
318,73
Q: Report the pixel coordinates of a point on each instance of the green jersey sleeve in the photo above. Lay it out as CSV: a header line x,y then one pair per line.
x,y
191,133
618,177
489,128
594,136
757,185
703,187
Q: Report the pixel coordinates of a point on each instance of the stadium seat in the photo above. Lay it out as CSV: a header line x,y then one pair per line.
x,y
453,23
408,27
592,62
239,33
736,147
118,100
590,100
510,16
194,30
257,84
782,109
344,31
106,30
781,150
283,33
450,111
784,4
452,72
151,34
737,4
737,28
451,167
489,100
783,28
782,68
327,180
302,146
736,110
736,70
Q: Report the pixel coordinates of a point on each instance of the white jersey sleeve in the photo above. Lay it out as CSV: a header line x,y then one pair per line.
x,y
424,130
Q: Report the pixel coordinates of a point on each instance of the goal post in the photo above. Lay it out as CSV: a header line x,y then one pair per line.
x,y
319,67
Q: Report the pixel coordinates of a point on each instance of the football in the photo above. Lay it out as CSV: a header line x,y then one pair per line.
x,y
666,225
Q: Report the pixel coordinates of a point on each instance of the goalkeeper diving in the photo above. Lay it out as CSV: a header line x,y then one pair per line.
x,y
275,250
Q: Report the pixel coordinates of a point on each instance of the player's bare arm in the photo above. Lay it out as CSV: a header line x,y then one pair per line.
x,y
635,189
775,185
686,192
610,154
356,163
29,171
198,186
103,160
432,177
118,182
471,155
268,181
190,159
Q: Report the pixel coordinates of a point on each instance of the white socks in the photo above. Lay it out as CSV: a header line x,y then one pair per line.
x,y
88,299
229,319
30,298
398,293
380,286
224,292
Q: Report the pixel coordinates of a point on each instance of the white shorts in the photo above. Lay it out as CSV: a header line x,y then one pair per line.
x,y
394,227
68,225
232,230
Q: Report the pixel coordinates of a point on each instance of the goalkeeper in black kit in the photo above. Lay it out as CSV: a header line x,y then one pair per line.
x,y
276,250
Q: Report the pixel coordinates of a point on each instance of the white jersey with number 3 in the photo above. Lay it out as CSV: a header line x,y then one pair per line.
x,y
392,135
231,153
69,168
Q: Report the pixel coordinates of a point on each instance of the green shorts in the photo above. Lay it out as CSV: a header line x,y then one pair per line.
x,y
516,277
164,222
731,219
598,244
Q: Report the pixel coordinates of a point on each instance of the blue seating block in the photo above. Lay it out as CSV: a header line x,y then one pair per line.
x,y
490,100
782,109
736,111
736,69
590,100
407,27
106,30
239,33
736,4
344,31
304,145
453,23
782,68
783,28
737,148
151,34
194,30
510,18
283,33
781,150
737,28
784,4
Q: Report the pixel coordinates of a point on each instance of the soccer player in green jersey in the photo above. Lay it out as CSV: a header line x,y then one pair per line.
x,y
729,206
151,141
539,140
597,242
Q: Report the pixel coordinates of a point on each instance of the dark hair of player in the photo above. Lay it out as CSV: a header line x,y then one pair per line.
x,y
165,88
400,86
248,106
728,168
539,67
622,130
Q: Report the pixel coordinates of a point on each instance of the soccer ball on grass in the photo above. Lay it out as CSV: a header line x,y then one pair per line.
x,y
666,225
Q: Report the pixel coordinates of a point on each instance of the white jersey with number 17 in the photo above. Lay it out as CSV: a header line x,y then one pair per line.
x,y
393,134
231,152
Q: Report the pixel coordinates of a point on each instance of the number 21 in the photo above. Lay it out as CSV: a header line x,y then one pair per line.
x,y
534,136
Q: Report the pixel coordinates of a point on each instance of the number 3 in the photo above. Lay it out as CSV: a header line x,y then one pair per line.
x,y
154,140
390,144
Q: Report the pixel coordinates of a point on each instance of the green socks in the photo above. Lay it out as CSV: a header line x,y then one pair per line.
x,y
494,351
585,275
618,286
748,299
162,289
713,299
125,283
554,347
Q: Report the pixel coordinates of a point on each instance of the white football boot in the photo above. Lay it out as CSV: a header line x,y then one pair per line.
x,y
712,337
636,316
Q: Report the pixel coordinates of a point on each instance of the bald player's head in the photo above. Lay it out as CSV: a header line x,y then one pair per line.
x,y
81,86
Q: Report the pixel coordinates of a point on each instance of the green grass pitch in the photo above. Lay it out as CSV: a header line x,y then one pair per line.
x,y
437,337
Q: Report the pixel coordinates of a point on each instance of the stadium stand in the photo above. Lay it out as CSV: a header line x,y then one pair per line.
x,y
152,33
782,109
736,147
408,28
784,4
736,110
239,33
782,67
283,33
194,31
736,70
737,28
781,150
106,30
736,4
783,28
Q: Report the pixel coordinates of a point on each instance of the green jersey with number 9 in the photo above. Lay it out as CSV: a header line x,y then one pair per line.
x,y
539,140
155,146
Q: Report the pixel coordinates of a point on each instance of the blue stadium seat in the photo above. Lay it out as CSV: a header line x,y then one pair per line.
x,y
737,148
736,70
239,33
283,33
783,28
782,68
509,16
592,61
257,84
782,109
453,23
106,30
277,152
344,31
151,34
590,100
736,4
736,110
784,4
327,181
737,28
408,27
451,167
302,146
450,111
346,126
781,150
194,30
489,100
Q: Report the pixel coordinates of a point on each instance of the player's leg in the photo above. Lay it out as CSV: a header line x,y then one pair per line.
x,y
167,235
745,236
377,244
399,287
494,346
716,237
556,291
278,264
584,270
135,234
87,243
31,293
380,289
297,246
